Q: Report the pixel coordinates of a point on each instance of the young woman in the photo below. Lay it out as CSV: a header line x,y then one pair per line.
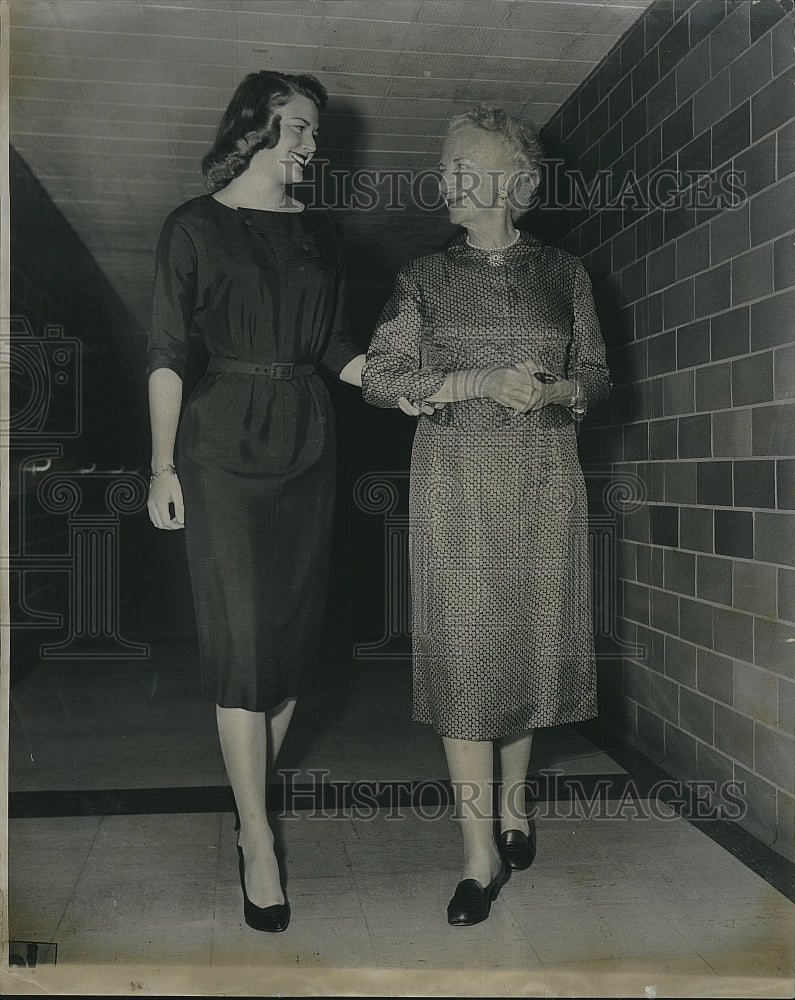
x,y
258,276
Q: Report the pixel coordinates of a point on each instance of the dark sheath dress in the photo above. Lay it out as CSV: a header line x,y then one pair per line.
x,y
256,456
501,612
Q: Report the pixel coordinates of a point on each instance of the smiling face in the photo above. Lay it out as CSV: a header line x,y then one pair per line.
x,y
296,145
474,165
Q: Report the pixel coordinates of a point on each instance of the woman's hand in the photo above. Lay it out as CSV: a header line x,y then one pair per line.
x,y
415,409
542,393
165,489
515,388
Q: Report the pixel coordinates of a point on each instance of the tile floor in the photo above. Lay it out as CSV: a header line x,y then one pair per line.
x,y
140,899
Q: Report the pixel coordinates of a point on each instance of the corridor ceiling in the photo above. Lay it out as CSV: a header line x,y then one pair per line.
x,y
113,102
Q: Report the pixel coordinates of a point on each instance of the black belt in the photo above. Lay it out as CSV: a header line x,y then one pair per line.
x,y
275,369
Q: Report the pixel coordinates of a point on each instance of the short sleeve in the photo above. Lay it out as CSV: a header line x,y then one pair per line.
x,y
394,359
587,359
173,299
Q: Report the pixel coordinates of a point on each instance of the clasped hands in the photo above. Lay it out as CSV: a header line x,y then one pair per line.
x,y
514,387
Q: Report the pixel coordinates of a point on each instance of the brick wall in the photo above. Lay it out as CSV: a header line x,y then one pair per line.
x,y
697,306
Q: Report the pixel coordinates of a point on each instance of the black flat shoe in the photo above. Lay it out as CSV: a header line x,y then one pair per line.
x,y
262,918
518,850
471,903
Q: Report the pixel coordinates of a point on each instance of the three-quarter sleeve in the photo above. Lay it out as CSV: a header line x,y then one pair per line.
x,y
394,365
173,300
587,361
340,348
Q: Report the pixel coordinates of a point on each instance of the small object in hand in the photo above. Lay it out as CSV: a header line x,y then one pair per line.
x,y
546,377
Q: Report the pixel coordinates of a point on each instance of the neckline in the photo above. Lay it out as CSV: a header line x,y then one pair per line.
x,y
257,211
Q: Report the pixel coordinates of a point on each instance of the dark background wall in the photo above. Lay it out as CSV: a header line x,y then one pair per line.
x,y
696,305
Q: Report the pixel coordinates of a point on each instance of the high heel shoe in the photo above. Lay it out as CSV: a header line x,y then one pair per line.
x,y
471,902
518,850
262,918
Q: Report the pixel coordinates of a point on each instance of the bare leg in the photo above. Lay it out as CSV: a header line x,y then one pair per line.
x,y
278,722
471,767
244,744
514,754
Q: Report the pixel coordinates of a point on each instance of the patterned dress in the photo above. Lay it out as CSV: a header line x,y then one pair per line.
x,y
501,618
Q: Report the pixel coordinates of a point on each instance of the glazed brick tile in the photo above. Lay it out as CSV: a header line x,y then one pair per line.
x,y
636,602
760,799
678,221
663,439
785,484
756,693
764,15
715,676
636,442
731,434
785,161
680,482
680,751
712,103
714,387
664,525
781,41
674,46
679,393
712,765
731,134
696,715
661,101
730,233
656,567
636,525
730,333
695,436
734,634
662,353
650,232
623,249
772,648
754,588
752,379
784,262
646,74
704,16
693,344
633,282
649,730
664,696
734,533
609,72
714,579
786,705
766,218
772,321
661,267
751,71
774,753
713,290
755,484
679,303
752,274
632,47
695,621
734,734
610,222
772,429
680,661
692,73
714,484
636,682
620,100
693,252
696,156
771,107
634,125
729,40
775,537
757,166
677,129
679,572
597,122
664,611
786,595
696,529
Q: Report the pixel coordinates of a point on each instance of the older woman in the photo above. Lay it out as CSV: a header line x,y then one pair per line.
x,y
494,343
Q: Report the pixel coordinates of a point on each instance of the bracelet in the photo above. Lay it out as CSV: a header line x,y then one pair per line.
x,y
171,469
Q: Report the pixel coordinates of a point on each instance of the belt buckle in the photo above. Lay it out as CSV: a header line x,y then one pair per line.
x,y
284,369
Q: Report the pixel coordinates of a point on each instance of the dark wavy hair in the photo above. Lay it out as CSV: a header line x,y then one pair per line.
x,y
251,122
